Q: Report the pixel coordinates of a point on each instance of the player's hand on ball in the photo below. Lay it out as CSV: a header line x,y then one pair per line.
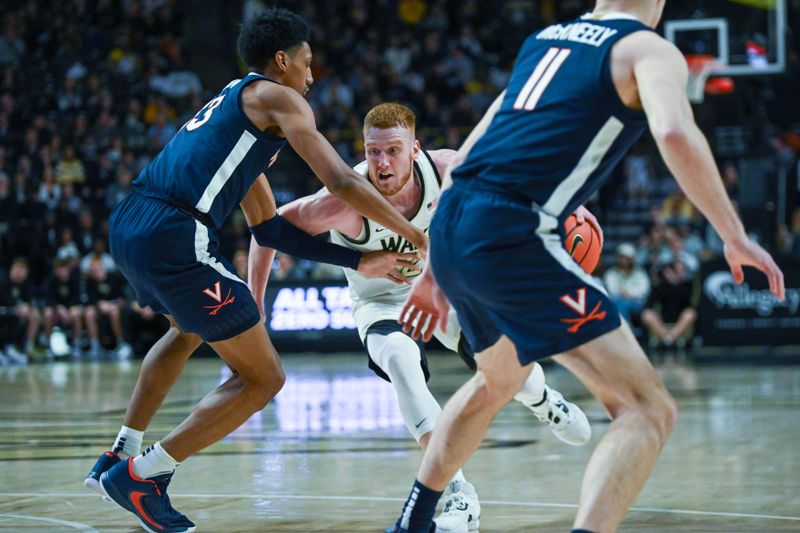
x,y
426,308
584,215
396,267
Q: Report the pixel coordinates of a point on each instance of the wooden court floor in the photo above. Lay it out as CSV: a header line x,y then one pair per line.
x,y
331,454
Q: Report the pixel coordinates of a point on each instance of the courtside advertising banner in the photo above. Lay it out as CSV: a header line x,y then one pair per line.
x,y
747,314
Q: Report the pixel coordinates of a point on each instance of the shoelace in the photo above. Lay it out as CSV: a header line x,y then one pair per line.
x,y
458,500
164,504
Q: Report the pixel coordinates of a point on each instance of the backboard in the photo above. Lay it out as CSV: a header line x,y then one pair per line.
x,y
747,36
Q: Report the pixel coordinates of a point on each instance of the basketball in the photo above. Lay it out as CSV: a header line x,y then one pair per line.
x,y
582,242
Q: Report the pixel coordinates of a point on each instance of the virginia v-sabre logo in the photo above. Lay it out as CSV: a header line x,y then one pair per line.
x,y
723,291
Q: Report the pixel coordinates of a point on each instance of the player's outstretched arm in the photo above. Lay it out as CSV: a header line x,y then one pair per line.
x,y
259,265
661,73
322,212
294,117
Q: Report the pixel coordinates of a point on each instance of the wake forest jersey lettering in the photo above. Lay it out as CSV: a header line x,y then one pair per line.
x,y
377,238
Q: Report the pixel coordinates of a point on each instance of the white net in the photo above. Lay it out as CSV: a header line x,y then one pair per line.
x,y
700,68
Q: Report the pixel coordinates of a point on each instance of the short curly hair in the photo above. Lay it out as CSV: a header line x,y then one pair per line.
x,y
267,32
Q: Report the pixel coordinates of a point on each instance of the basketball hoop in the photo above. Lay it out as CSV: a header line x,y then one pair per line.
x,y
701,67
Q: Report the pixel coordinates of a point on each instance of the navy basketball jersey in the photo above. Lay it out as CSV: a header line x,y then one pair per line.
x,y
214,158
562,127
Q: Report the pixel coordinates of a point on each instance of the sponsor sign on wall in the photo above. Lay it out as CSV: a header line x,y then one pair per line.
x,y
748,314
311,315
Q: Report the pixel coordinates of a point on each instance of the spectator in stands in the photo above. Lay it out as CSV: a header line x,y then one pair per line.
x,y
670,311
120,189
285,269
148,325
639,172
68,249
627,284
676,251
677,209
104,298
49,191
239,261
98,252
652,244
17,294
693,243
70,169
63,302
86,233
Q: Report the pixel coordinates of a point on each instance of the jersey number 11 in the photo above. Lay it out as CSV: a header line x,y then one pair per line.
x,y
542,76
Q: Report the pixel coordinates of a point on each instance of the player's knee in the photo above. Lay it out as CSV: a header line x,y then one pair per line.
x,y
668,416
656,407
396,365
489,391
261,392
400,359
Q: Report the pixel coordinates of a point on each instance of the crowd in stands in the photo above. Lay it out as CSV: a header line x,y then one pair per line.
x,y
90,91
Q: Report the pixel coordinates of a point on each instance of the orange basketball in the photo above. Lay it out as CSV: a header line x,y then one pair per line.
x,y
583,243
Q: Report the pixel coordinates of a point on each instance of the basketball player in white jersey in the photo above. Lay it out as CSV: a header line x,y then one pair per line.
x,y
409,178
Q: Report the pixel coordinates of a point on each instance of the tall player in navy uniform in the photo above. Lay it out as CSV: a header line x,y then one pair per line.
x,y
163,238
409,177
580,94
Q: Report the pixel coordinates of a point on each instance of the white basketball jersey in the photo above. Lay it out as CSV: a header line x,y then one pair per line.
x,y
380,299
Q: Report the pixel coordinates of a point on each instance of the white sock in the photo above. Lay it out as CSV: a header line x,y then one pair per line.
x,y
153,461
459,476
532,391
128,443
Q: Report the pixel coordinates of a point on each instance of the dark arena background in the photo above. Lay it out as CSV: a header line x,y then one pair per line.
x,y
90,91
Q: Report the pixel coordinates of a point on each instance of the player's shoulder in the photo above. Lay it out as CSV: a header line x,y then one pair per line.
x,y
645,43
276,96
441,159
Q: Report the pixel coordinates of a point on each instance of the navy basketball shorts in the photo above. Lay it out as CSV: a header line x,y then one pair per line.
x,y
504,278
172,262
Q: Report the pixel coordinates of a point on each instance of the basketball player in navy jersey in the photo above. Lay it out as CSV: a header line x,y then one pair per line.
x,y
163,238
410,178
579,96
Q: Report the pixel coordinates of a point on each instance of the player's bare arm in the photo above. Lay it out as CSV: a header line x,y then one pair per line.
x,y
292,114
660,73
322,212
258,204
442,159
